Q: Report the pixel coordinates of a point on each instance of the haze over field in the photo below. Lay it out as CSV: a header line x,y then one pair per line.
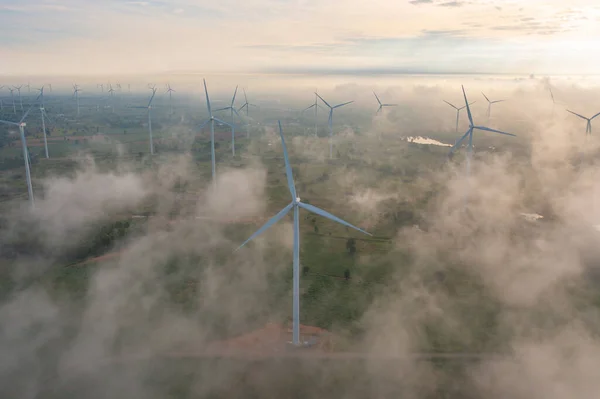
x,y
124,275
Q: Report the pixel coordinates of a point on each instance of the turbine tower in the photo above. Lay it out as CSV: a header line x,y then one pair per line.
x,y
469,134
232,109
383,105
149,108
170,91
76,91
588,126
211,120
296,204
553,102
21,125
43,111
331,108
458,111
315,105
489,109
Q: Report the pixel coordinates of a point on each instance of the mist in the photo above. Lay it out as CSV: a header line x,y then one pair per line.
x,y
460,270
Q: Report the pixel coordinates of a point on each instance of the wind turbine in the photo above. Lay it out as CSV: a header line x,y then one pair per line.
x,y
170,91
43,111
76,91
12,97
383,105
296,204
211,120
21,125
315,105
588,126
458,111
232,109
110,92
149,108
247,105
18,88
331,122
469,134
101,86
489,109
50,87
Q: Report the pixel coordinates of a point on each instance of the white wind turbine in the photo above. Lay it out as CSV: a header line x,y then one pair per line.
x,y
381,105
247,105
316,106
211,120
76,91
331,108
149,108
489,109
295,205
18,88
43,112
170,91
21,125
232,109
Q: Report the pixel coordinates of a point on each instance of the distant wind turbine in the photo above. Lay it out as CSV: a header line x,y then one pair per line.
x,y
331,108
458,111
76,91
316,106
211,120
101,86
149,108
170,91
18,88
296,204
247,105
12,97
43,111
232,109
21,125
383,105
588,126
469,134
489,109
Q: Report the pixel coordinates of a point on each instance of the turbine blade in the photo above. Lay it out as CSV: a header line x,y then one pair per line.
x,y
377,98
457,144
223,122
245,97
288,169
9,122
234,94
467,105
485,97
329,216
326,103
487,129
497,101
341,105
207,99
551,94
269,223
307,108
204,124
242,107
152,98
222,109
581,116
594,116
450,104
389,105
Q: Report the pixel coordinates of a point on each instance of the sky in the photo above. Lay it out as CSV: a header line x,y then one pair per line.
x,y
85,37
